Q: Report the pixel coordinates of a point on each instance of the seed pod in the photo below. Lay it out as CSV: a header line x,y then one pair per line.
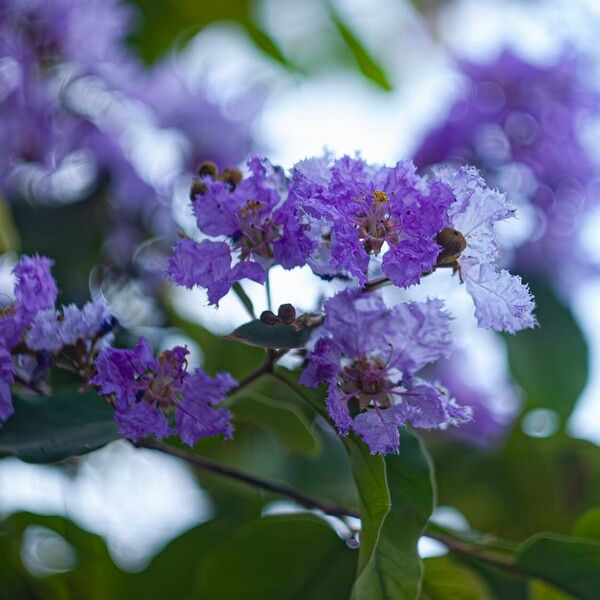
x,y
453,242
270,318
287,313
197,189
231,176
207,168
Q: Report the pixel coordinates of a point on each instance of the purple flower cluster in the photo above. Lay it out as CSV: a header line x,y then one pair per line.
x,y
336,215
368,355
157,396
35,290
33,331
356,210
521,125
255,219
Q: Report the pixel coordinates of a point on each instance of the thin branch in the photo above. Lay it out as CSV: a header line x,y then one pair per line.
x,y
266,368
211,466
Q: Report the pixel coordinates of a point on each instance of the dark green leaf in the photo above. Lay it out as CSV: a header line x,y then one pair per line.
x,y
588,525
257,333
283,419
291,556
244,299
571,564
446,580
366,63
218,354
396,497
50,428
550,363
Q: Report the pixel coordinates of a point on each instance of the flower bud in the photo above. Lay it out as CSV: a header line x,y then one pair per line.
x,y
287,313
231,176
207,168
453,242
270,318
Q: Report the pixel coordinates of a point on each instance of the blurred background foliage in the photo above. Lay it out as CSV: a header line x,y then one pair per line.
x,y
538,478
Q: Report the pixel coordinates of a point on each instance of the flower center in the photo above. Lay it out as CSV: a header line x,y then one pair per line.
x,y
257,233
375,223
366,379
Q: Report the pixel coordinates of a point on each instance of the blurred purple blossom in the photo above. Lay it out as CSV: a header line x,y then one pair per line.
x,y
522,124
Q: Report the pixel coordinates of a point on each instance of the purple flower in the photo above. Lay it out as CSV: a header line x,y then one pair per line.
x,y
368,355
35,289
258,223
355,210
502,301
7,376
52,330
150,393
521,124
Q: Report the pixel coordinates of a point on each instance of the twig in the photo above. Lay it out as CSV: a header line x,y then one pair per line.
x,y
266,368
211,466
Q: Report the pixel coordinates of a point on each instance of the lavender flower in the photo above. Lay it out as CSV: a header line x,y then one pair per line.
x,y
356,210
521,124
147,391
368,355
253,215
52,330
502,301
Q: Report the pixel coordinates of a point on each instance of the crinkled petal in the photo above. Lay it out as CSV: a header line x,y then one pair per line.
x,y
419,334
142,419
45,332
323,364
405,262
84,323
196,416
7,377
379,428
337,407
35,288
502,301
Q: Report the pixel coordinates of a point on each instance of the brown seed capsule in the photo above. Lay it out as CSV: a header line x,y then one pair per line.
x,y
270,318
231,176
453,242
197,189
207,168
287,313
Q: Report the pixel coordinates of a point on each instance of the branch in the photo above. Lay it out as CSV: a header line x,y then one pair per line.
x,y
266,368
211,466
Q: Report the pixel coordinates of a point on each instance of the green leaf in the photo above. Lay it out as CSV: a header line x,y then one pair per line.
x,y
257,333
218,354
588,525
163,26
446,580
9,236
550,363
283,419
570,564
50,428
538,590
244,299
291,556
396,497
365,62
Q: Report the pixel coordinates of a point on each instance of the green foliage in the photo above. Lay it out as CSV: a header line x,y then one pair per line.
x,y
572,565
257,333
285,420
291,556
588,525
367,65
396,497
550,363
45,429
445,579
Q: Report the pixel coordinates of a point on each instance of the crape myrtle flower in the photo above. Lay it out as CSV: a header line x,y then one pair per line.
x,y
521,124
502,301
252,215
52,330
368,355
35,290
157,396
355,210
